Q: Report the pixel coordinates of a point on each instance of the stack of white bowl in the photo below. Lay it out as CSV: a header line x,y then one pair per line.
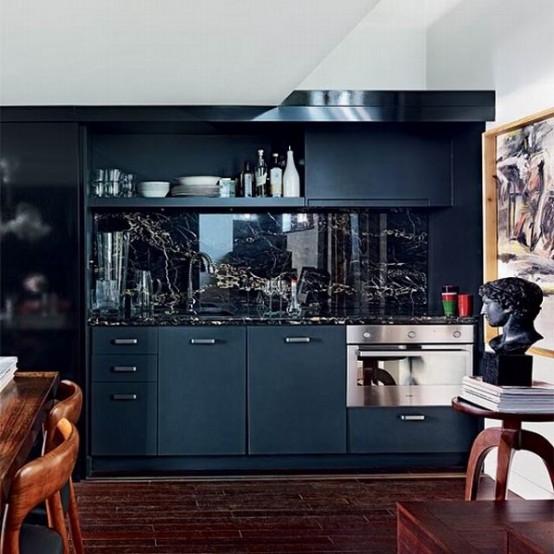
x,y
153,189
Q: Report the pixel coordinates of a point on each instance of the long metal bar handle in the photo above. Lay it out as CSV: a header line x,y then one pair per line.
x,y
202,341
124,397
125,341
296,340
412,417
124,368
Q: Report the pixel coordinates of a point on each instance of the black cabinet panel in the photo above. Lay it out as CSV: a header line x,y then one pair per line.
x,y
202,390
409,430
296,390
123,418
39,249
125,340
125,368
379,164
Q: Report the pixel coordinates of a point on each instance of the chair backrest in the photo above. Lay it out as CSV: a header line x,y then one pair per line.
x,y
69,404
38,481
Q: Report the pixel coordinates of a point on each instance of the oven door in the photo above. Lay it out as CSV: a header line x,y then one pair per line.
x,y
406,374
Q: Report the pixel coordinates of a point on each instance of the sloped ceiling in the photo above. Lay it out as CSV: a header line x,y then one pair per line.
x,y
165,51
187,52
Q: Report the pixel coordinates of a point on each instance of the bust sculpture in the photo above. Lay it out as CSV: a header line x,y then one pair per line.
x,y
512,303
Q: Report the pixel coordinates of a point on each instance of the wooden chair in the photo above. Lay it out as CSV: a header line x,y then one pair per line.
x,y
69,405
38,481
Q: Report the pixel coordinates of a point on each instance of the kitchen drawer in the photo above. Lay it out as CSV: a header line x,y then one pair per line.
x,y
124,419
125,368
408,430
125,340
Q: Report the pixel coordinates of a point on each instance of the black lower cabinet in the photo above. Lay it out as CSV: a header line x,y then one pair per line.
x,y
124,419
409,430
296,390
202,391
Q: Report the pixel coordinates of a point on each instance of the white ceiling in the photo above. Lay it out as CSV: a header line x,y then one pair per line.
x,y
181,51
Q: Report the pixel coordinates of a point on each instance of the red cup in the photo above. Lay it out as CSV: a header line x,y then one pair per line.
x,y
465,305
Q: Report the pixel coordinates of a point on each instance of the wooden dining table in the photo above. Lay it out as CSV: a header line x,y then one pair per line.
x,y
23,406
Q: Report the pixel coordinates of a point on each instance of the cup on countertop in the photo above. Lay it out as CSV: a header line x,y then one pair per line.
x,y
449,297
465,305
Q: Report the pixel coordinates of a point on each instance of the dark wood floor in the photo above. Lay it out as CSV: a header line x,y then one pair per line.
x,y
325,514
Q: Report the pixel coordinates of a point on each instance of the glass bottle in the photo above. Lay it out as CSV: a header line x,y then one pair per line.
x,y
291,179
276,177
260,173
247,181
294,309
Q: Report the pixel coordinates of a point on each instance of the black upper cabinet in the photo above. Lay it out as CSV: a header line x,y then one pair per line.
x,y
39,250
379,164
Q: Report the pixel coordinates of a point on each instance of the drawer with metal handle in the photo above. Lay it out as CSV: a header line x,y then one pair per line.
x,y
124,368
404,430
124,340
124,419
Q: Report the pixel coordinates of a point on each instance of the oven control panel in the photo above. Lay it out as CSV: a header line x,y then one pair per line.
x,y
410,334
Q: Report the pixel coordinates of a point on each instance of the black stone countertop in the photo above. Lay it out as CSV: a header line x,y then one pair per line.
x,y
167,319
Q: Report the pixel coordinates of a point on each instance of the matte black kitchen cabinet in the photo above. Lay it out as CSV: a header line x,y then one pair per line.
x,y
382,164
202,391
39,250
124,403
296,390
408,430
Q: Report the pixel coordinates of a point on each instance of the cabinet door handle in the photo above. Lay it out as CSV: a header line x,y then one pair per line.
x,y
124,368
202,341
412,417
125,341
296,340
124,397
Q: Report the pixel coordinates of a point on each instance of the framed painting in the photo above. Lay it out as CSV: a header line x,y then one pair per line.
x,y
518,173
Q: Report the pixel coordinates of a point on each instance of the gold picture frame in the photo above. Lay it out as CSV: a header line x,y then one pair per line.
x,y
518,211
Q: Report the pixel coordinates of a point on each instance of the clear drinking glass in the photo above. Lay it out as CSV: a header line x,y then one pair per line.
x,y
112,254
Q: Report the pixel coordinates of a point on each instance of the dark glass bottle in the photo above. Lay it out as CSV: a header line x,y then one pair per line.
x,y
261,174
247,181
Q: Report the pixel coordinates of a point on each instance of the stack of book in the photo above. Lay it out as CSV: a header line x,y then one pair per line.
x,y
536,399
8,366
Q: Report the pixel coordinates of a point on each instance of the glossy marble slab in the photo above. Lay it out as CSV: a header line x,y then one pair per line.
x,y
358,262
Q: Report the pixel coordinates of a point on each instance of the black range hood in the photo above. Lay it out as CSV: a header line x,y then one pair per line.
x,y
301,106
365,105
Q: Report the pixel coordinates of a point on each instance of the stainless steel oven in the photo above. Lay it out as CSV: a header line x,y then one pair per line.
x,y
407,365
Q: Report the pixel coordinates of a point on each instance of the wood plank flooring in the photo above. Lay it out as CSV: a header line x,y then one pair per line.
x,y
352,514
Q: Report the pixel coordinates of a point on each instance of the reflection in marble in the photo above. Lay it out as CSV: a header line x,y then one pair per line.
x,y
358,262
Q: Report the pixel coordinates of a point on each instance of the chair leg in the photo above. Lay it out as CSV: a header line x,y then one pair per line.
x,y
74,521
56,519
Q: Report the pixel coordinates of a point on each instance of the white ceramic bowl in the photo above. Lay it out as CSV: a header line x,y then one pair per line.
x,y
153,189
199,180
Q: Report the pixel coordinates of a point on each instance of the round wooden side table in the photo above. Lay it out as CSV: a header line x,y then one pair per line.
x,y
508,438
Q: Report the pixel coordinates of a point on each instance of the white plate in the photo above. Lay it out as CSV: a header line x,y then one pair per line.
x,y
196,180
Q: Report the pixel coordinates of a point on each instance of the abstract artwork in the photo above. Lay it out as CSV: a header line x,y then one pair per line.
x,y
519,210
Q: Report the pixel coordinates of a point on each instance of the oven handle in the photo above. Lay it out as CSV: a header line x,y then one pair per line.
x,y
369,353
390,348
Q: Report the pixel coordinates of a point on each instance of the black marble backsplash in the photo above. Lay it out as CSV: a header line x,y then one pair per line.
x,y
357,262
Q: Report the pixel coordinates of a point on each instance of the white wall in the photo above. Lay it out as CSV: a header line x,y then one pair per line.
x,y
505,45
376,55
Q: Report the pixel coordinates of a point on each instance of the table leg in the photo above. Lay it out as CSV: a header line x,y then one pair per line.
x,y
485,441
509,441
541,446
